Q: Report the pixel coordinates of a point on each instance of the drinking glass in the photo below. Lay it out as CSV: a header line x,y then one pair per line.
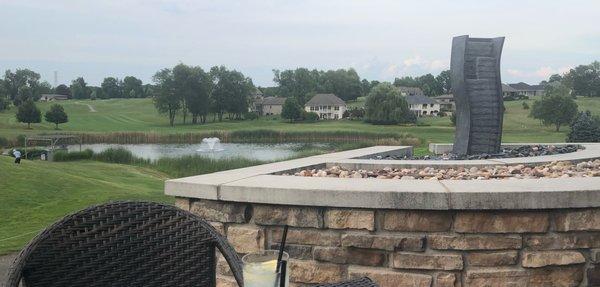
x,y
260,269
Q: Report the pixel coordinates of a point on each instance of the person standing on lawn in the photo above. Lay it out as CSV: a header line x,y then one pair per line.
x,y
17,155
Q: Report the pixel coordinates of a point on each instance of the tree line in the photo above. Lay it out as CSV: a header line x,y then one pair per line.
x,y
583,80
189,90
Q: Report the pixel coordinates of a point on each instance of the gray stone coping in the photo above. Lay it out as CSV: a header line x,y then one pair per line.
x,y
258,184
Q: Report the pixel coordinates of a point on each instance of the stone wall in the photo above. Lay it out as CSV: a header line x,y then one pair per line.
x,y
416,247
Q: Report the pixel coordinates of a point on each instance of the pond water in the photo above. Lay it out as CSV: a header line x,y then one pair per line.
x,y
264,152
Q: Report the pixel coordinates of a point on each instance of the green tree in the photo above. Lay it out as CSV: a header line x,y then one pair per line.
x,y
429,85
585,128
556,107
79,89
385,105
21,79
584,80
111,87
444,80
132,87
165,100
199,98
343,83
297,83
291,109
28,113
56,115
231,92
62,89
406,81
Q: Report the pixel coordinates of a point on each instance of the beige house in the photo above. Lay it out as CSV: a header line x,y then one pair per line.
x,y
271,106
423,106
327,106
53,97
522,89
446,102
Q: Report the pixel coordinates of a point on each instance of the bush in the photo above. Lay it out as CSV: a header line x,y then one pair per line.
x,y
453,119
251,116
310,116
585,128
72,156
291,110
115,155
386,106
525,106
32,153
515,98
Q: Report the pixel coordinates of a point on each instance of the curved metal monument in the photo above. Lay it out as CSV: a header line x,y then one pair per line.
x,y
477,89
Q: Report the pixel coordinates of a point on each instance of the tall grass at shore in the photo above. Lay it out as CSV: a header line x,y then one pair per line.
x,y
253,136
191,164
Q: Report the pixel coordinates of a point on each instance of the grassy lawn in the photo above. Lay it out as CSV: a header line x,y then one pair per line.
x,y
128,115
36,193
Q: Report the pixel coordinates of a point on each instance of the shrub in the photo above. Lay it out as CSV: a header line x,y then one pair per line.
x,y
72,156
525,106
32,153
310,116
291,109
386,106
585,128
115,155
251,116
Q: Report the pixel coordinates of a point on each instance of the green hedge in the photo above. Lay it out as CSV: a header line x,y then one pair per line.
x,y
71,156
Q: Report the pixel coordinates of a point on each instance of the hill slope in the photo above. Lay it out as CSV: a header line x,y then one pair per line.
x,y
35,194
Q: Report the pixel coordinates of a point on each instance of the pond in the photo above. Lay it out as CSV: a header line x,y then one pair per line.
x,y
263,152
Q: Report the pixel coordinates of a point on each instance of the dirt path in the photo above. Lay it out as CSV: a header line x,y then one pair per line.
x,y
92,110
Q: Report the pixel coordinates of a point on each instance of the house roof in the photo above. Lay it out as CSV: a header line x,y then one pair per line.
x,y
273,101
419,100
526,87
410,90
54,96
325,100
443,97
507,88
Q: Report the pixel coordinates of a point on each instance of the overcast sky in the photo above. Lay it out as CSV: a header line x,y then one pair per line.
x,y
380,39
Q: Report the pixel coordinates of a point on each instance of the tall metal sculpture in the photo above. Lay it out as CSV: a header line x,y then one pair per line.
x,y
477,89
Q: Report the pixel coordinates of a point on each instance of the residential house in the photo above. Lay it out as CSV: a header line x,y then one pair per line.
x,y
327,106
423,106
271,106
446,102
53,97
256,100
522,89
410,91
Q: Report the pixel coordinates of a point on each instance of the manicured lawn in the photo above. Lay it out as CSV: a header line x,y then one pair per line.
x,y
128,115
35,193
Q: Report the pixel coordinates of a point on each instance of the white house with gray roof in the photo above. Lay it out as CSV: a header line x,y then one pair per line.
x,y
327,106
423,105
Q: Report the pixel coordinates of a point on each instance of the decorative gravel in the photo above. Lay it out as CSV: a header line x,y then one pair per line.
x,y
561,169
507,151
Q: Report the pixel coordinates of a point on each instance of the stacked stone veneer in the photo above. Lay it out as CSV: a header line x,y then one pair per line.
x,y
416,247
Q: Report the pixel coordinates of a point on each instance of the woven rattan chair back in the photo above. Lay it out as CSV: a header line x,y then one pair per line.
x,y
124,244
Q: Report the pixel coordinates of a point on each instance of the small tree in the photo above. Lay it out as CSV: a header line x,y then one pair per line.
x,y
556,108
386,106
56,115
291,109
28,113
585,128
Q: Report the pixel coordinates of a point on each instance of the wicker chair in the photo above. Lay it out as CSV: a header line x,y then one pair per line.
x,y
124,244
129,244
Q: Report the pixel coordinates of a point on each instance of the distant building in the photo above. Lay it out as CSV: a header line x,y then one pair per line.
x,y
522,89
423,106
53,97
446,102
271,106
256,100
327,106
410,91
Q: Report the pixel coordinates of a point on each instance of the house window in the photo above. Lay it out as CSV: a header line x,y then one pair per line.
x,y
336,108
424,106
431,105
336,116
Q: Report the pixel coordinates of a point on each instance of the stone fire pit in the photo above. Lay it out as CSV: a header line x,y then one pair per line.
x,y
411,232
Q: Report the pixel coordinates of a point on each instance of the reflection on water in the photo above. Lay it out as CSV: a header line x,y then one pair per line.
x,y
264,152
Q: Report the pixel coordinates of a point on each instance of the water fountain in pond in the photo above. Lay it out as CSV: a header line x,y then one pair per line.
x,y
210,145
